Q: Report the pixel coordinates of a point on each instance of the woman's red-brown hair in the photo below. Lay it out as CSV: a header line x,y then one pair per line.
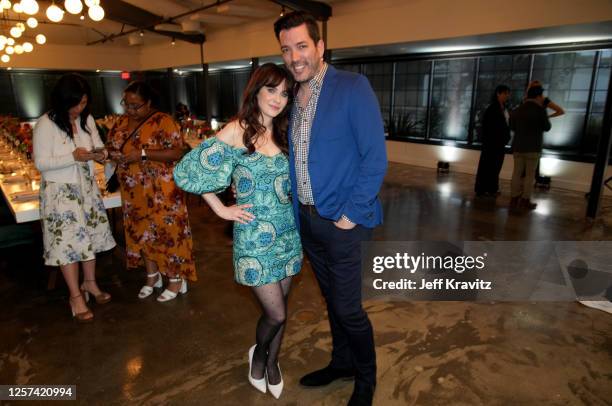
x,y
249,115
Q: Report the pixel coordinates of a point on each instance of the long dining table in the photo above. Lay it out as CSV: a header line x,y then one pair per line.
x,y
20,184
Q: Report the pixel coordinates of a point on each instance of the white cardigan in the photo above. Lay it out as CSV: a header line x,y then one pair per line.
x,y
53,149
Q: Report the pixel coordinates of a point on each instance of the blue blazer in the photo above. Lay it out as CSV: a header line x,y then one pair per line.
x,y
347,157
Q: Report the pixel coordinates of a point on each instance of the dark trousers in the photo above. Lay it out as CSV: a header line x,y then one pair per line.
x,y
335,256
489,166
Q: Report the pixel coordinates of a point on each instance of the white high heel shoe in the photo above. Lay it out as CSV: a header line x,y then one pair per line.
x,y
168,295
259,384
277,389
146,291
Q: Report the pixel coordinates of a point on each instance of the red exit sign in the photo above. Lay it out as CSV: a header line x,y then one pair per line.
x,y
125,75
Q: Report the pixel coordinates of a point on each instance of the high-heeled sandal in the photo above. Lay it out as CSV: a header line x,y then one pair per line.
x,y
168,295
83,317
101,298
146,291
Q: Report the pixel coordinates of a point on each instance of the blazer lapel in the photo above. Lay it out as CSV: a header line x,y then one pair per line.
x,y
324,104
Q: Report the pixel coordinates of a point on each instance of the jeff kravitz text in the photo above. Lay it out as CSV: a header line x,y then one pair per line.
x,y
436,284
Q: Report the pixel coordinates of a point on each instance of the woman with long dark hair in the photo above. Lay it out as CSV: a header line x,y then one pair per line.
x,y
252,151
146,143
74,222
495,134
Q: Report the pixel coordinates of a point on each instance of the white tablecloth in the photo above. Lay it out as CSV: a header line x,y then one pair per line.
x,y
29,210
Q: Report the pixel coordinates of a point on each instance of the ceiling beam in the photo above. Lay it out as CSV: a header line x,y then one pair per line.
x,y
207,18
318,9
125,13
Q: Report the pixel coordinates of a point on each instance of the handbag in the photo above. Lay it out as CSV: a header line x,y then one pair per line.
x,y
112,184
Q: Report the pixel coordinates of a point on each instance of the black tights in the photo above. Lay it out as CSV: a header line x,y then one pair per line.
x,y
270,328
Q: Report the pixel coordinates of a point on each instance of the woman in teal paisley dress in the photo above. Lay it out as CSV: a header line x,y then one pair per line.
x,y
252,151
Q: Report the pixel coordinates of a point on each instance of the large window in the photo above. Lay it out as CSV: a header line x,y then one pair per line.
x,y
451,100
381,79
241,79
566,78
97,105
7,100
449,105
213,95
354,67
113,89
225,92
598,103
509,70
29,95
411,98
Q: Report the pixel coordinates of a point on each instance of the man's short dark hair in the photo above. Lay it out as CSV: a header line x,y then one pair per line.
x,y
295,19
534,92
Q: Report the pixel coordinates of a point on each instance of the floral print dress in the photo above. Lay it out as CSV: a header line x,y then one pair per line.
x,y
155,216
267,249
74,221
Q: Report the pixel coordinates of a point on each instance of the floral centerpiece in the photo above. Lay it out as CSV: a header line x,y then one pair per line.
x,y
9,127
199,128
24,137
17,134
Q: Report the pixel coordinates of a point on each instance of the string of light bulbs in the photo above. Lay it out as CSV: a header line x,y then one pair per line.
x,y
8,43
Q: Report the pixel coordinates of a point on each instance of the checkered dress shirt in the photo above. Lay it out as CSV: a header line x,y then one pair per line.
x,y
300,135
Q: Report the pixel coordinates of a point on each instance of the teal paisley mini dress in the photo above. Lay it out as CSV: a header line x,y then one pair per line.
x,y
267,249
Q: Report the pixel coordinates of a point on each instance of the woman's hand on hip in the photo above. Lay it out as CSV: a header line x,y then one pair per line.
x,y
237,213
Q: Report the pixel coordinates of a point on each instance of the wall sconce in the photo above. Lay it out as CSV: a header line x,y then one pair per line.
x,y
443,167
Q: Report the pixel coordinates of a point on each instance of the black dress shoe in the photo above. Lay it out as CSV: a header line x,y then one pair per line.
x,y
362,396
325,376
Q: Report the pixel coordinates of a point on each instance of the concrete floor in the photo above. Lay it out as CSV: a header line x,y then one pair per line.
x,y
192,351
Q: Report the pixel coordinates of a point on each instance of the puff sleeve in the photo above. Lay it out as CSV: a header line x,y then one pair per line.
x,y
207,168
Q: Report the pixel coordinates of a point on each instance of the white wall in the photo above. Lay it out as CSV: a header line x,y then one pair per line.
x,y
565,174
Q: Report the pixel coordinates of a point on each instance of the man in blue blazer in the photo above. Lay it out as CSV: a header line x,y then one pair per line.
x,y
337,165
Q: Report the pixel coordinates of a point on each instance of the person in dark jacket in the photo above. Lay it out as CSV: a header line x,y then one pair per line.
x,y
529,122
494,137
